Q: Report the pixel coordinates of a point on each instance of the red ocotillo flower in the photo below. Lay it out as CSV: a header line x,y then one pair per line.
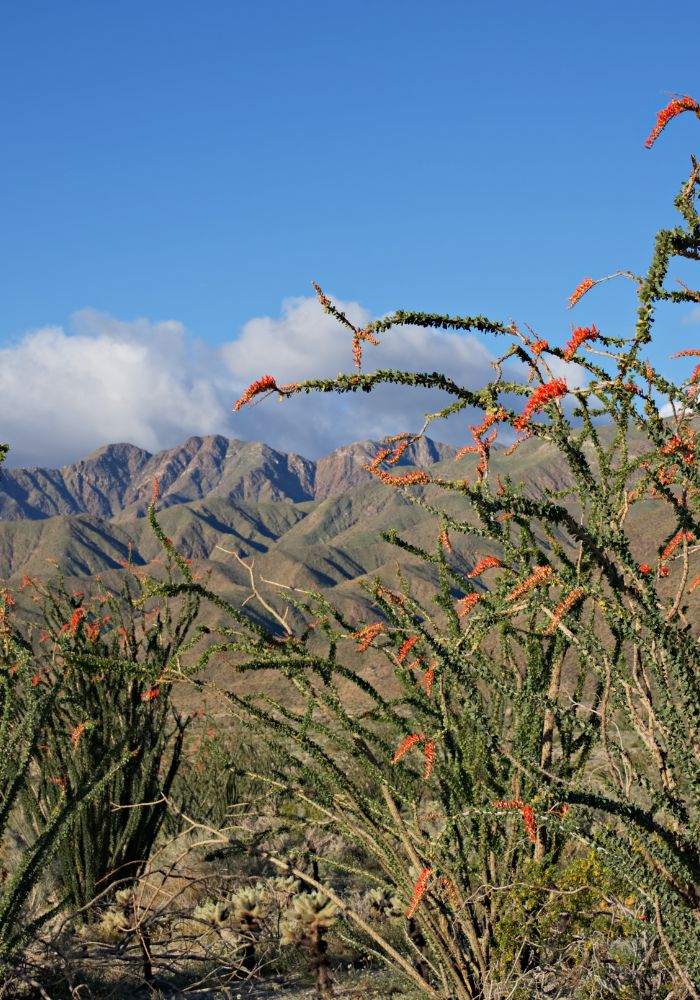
x,y
429,758
417,478
487,563
561,609
76,734
366,636
429,676
93,631
540,397
406,648
672,110
580,334
465,604
150,694
580,291
540,575
675,542
357,338
419,891
445,540
407,745
528,814
526,811
265,384
73,624
399,449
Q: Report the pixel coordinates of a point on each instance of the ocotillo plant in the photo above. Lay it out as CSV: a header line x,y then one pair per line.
x,y
113,701
589,647
25,705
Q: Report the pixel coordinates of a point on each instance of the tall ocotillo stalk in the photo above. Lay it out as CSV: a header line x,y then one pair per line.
x,y
114,699
589,647
25,705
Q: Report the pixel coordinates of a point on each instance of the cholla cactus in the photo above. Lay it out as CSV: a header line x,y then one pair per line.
x,y
284,885
306,922
382,903
124,898
249,907
112,924
214,912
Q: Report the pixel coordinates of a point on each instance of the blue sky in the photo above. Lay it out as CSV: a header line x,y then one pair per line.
x,y
174,175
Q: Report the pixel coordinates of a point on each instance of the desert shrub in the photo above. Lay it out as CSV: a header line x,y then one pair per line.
x,y
114,702
483,767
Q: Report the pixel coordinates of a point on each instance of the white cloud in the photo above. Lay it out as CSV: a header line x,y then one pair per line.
x,y
67,392
692,318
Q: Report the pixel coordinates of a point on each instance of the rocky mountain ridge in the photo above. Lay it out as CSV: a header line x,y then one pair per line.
x,y
115,482
309,524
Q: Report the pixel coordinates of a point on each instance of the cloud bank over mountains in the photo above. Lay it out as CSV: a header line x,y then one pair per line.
x,y
101,380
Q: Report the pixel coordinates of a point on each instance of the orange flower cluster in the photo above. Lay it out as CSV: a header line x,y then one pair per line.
x,y
357,338
675,542
448,891
395,599
540,576
483,447
76,734
407,745
265,384
150,694
580,334
465,604
408,478
429,758
539,398
526,811
429,676
428,750
406,647
73,624
419,891
487,563
324,300
537,346
683,444
580,291
367,636
561,609
672,110
404,441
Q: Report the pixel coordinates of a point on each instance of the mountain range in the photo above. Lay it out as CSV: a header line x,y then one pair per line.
x,y
309,524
